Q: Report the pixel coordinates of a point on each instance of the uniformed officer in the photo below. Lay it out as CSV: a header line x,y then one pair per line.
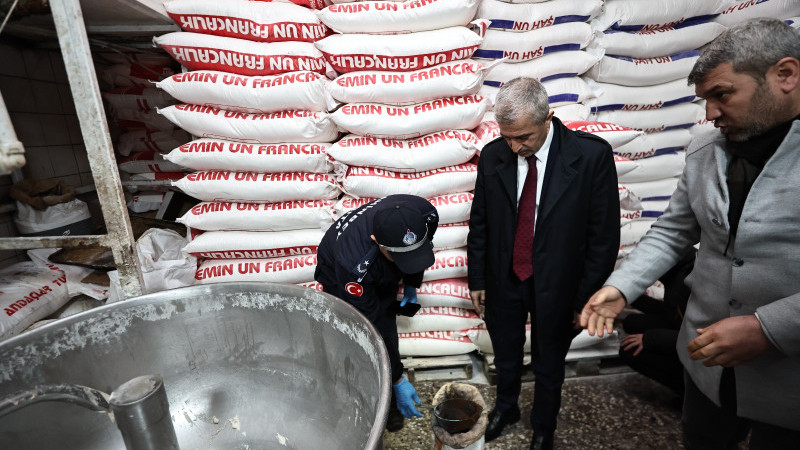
x,y
363,257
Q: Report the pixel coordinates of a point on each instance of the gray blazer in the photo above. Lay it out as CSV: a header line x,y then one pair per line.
x,y
762,277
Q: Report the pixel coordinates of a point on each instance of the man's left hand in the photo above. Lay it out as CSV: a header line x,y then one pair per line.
x,y
729,342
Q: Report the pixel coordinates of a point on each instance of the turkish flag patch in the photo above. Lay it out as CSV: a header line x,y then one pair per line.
x,y
354,289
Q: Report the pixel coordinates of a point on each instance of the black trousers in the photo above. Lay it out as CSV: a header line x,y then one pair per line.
x,y
707,426
505,320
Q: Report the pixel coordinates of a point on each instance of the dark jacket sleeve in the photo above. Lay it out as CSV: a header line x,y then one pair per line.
x,y
602,240
476,240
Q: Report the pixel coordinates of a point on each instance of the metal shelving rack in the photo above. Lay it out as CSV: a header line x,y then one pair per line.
x,y
74,43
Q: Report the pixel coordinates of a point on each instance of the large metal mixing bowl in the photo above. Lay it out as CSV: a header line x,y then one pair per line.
x,y
245,366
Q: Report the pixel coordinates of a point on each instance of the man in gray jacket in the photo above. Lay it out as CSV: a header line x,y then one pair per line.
x,y
739,198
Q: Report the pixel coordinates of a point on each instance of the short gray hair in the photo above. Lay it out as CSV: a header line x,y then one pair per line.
x,y
752,47
521,97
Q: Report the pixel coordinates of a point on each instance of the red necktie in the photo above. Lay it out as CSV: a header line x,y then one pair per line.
x,y
526,217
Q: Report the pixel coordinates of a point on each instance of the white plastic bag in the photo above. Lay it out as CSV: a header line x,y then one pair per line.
x,y
258,187
217,154
31,221
377,183
251,94
75,274
527,45
385,17
283,126
292,215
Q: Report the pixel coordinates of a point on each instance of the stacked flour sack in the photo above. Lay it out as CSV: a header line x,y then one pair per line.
x,y
641,84
543,41
408,90
145,136
255,96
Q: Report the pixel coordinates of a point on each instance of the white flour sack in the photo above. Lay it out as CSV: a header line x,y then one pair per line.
x,y
205,52
312,285
216,154
146,201
384,17
254,244
682,115
583,340
258,187
633,232
627,199
283,126
137,97
450,79
28,294
653,190
560,91
487,131
149,161
547,67
644,71
281,216
434,343
613,96
666,165
313,4
652,209
634,15
432,151
624,165
399,52
628,213
661,42
448,264
574,112
517,47
373,182
451,235
751,9
452,292
793,22
654,144
254,21
288,269
452,208
615,135
525,17
157,141
406,122
438,318
256,94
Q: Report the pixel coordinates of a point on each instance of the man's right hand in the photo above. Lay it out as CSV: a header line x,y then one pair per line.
x,y
478,300
601,309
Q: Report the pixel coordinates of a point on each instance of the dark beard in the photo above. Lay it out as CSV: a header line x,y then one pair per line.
x,y
764,113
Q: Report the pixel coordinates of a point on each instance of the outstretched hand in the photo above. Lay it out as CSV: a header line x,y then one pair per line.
x,y
599,313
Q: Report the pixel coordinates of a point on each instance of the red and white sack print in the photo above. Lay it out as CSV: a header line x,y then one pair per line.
x,y
615,135
448,264
146,201
667,165
288,269
312,285
749,9
258,187
372,182
653,190
217,154
450,79
534,15
149,161
254,21
487,131
438,318
434,343
432,151
451,235
406,122
349,203
281,216
385,17
547,67
144,140
205,52
251,94
527,45
400,52
27,294
137,98
283,126
627,71
453,208
452,292
313,4
624,165
128,74
254,244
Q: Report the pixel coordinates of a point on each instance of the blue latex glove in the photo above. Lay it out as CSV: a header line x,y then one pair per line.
x,y
409,295
406,397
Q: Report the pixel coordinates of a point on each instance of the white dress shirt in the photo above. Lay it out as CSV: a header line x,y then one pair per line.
x,y
541,163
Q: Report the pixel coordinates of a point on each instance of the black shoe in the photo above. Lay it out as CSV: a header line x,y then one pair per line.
x,y
541,441
395,421
498,421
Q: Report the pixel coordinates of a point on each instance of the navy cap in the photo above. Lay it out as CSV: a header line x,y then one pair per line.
x,y
403,231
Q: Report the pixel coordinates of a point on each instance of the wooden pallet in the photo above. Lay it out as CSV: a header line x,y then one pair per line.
x,y
457,367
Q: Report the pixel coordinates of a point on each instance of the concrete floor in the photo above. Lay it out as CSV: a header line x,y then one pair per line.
x,y
624,411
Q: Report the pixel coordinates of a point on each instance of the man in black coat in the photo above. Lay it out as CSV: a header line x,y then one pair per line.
x,y
544,235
